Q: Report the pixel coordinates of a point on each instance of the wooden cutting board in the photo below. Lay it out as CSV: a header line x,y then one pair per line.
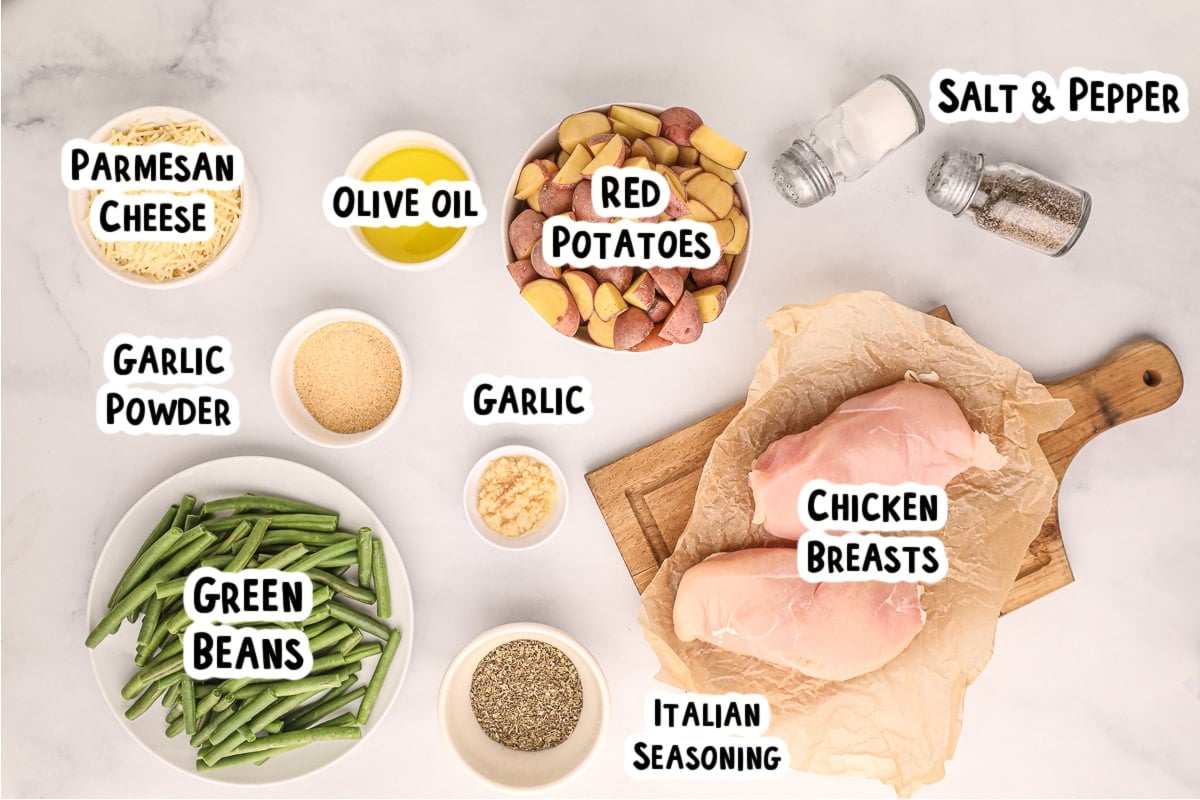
x,y
646,497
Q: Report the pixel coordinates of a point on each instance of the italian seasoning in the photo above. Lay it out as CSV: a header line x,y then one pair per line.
x,y
527,695
1009,200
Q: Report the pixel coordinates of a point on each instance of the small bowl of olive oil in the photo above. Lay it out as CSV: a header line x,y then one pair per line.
x,y
396,156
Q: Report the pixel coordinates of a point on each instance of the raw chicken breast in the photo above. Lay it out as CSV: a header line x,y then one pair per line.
x,y
753,602
903,432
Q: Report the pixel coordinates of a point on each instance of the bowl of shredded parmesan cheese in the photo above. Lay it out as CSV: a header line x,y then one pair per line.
x,y
168,265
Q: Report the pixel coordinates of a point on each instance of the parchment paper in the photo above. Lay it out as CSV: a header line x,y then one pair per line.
x,y
900,723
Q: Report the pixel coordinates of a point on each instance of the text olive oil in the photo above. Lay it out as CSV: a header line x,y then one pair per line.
x,y
417,244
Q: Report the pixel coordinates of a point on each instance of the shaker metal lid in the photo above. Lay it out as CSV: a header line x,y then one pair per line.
x,y
801,176
953,179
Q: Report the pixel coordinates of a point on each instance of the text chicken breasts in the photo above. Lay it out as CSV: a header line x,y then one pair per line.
x,y
753,602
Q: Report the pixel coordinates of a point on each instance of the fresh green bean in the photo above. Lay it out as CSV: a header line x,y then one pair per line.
x,y
274,727
319,557
141,593
228,544
264,503
217,562
168,589
150,620
359,620
207,703
326,523
329,638
327,663
288,738
186,505
376,682
257,759
190,521
324,708
350,642
176,711
178,621
317,539
187,697
147,698
150,673
319,613
171,696
244,713
229,692
287,557
175,727
202,736
347,678
145,562
171,648
250,547
317,628
364,652
162,527
339,564
278,709
366,564
309,685
341,586
214,752
383,589
340,720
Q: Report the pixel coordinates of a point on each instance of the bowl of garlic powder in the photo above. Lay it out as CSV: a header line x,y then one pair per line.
x,y
340,378
515,497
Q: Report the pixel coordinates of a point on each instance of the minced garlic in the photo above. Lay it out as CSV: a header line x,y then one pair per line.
x,y
516,495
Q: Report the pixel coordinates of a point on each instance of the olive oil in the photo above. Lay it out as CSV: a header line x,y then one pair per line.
x,y
414,245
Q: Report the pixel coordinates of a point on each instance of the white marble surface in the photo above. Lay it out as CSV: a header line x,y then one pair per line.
x,y
1092,691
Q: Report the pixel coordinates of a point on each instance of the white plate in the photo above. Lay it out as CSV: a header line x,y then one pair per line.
x,y
112,659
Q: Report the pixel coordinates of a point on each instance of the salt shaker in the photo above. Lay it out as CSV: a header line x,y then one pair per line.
x,y
848,141
1009,200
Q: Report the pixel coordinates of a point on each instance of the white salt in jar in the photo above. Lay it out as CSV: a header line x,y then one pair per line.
x,y
847,142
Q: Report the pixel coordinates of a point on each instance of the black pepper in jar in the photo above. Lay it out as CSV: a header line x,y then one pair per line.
x,y
1009,200
527,695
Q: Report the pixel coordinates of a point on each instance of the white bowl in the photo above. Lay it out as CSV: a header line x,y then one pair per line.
x,y
547,145
283,385
235,248
379,147
512,770
535,536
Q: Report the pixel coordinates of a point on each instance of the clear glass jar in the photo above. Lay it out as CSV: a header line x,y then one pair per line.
x,y
847,142
1009,200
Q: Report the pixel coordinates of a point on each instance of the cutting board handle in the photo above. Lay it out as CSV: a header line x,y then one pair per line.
x,y
1136,379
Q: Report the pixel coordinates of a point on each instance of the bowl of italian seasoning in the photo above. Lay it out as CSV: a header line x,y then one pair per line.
x,y
179,151
524,707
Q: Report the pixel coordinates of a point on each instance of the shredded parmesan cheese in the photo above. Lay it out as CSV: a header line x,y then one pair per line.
x,y
167,261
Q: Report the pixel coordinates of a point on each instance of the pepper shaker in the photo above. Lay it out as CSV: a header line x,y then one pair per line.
x,y
848,141
1009,200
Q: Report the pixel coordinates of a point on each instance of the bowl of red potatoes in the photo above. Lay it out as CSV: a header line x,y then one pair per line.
x,y
628,309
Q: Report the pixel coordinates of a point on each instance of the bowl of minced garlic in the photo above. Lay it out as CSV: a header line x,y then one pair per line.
x,y
515,497
340,378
